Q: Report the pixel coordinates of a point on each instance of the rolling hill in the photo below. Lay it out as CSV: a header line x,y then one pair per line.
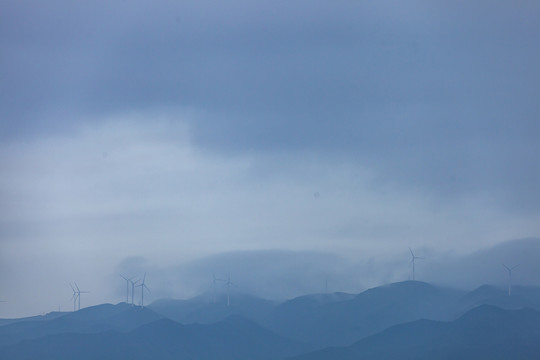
x,y
486,332
95,319
398,314
233,338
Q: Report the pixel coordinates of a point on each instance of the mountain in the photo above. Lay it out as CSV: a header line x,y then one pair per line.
x,y
105,317
486,332
46,317
202,311
314,300
522,296
337,319
232,338
324,319
348,319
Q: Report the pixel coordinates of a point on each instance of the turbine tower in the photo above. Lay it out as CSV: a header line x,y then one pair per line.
x,y
414,257
143,286
510,278
214,281
79,292
133,289
127,287
228,284
74,297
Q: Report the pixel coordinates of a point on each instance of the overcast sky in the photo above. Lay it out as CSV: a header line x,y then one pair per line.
x,y
158,136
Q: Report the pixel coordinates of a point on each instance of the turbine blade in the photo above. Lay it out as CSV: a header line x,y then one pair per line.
x,y
411,252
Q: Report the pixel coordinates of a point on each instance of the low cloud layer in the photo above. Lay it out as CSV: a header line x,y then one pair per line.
x,y
75,205
282,274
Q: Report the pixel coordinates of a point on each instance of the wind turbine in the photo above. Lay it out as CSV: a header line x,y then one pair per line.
x,y
79,292
74,297
414,257
133,289
143,286
214,281
127,287
510,278
228,284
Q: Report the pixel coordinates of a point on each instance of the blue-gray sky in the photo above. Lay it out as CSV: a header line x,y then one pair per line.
x,y
178,130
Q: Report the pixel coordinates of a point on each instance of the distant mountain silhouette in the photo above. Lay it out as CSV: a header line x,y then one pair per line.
x,y
233,338
522,296
201,310
121,317
340,318
486,332
308,322
343,322
314,300
46,317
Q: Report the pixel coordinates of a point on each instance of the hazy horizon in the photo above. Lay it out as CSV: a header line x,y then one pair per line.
x,y
280,275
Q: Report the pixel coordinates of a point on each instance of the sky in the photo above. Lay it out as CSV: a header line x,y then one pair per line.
x,y
301,142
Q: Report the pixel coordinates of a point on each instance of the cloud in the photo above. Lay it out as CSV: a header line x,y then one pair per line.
x,y
435,97
138,176
486,265
181,130
282,274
